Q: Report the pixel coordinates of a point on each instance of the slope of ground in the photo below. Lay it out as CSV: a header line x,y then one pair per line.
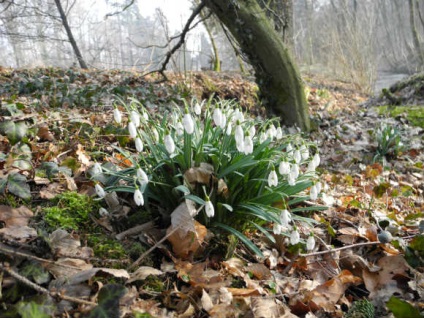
x,y
368,244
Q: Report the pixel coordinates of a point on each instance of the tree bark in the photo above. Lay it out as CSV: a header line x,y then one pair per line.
x,y
414,32
278,79
71,38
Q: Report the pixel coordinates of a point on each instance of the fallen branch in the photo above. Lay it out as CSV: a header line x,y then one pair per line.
x,y
6,268
341,248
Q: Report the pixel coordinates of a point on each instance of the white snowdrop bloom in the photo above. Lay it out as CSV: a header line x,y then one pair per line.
x,y
100,191
248,145
145,116
313,193
209,209
138,197
239,134
103,212
139,144
297,156
229,129
142,176
132,129
310,243
117,116
252,131
217,116
277,229
289,149
318,185
316,159
238,116
155,134
223,121
197,109
284,168
291,179
285,218
279,133
240,145
96,169
328,199
188,124
295,170
272,132
179,129
169,144
135,118
387,137
272,179
294,237
311,166
304,151
262,137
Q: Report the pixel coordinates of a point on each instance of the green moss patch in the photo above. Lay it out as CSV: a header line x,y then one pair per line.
x,y
415,114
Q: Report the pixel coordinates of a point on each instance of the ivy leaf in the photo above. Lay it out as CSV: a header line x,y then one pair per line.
x,y
402,309
108,306
17,184
14,131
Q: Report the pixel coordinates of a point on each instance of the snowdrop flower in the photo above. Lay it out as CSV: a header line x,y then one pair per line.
x,y
291,179
271,132
138,197
188,123
139,144
289,149
103,212
145,116
240,145
217,116
318,186
100,191
284,168
248,145
297,156
262,137
277,229
311,166
96,169
252,131
132,129
295,170
387,137
179,128
223,121
313,193
142,176
239,134
294,237
155,134
169,144
272,178
197,109
304,151
209,209
310,243
285,218
279,133
316,159
117,115
229,129
135,118
238,116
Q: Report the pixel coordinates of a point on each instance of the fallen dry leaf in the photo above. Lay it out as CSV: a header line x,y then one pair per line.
x,y
15,216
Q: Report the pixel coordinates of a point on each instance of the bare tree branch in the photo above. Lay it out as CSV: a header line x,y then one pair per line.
x,y
120,11
181,41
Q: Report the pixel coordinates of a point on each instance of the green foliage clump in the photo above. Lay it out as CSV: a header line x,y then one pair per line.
x,y
222,160
106,247
71,211
388,142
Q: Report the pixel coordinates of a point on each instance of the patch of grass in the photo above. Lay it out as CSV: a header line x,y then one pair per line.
x,y
415,114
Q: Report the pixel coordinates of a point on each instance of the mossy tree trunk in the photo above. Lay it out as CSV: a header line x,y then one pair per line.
x,y
279,81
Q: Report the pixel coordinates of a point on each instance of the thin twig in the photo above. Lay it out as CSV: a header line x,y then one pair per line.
x,y
6,268
341,248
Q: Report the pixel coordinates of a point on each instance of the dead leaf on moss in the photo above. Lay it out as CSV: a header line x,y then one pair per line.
x,y
143,272
51,191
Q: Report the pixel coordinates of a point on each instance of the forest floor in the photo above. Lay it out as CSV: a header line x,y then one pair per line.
x,y
56,121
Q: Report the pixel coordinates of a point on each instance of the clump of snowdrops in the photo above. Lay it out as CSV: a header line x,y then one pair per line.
x,y
388,142
242,173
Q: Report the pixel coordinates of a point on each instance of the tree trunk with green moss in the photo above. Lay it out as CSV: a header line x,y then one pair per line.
x,y
279,81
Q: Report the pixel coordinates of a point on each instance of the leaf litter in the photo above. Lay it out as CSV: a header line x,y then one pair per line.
x,y
351,261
